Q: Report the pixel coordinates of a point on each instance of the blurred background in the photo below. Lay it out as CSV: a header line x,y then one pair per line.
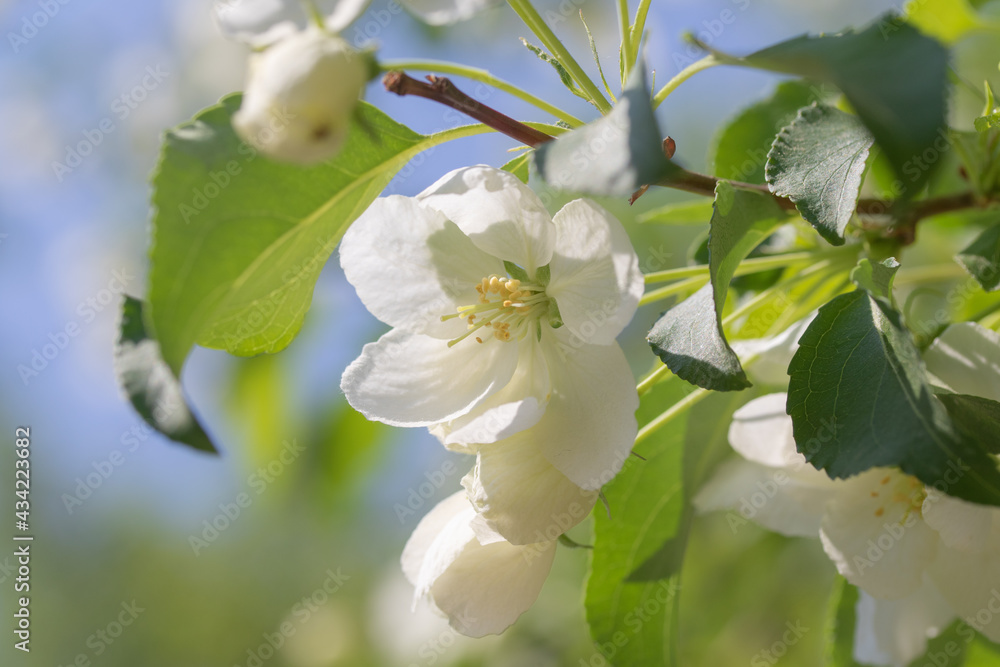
x,y
140,557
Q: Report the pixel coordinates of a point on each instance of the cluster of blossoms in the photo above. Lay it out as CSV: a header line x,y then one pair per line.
x,y
503,344
920,558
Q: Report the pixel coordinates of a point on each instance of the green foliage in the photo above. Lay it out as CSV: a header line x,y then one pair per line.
x,y
560,69
239,240
520,166
894,77
151,386
696,212
615,155
982,258
975,417
818,162
859,397
876,277
739,151
841,623
689,337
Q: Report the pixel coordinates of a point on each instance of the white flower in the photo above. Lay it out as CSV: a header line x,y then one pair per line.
x,y
444,12
474,577
480,355
262,23
300,97
920,557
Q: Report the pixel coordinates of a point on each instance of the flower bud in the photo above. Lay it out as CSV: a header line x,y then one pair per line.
x,y
300,97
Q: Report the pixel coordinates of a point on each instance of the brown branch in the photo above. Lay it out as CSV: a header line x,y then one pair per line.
x,y
442,90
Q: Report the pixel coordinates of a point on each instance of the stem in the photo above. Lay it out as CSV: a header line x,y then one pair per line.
x,y
746,266
626,46
537,24
682,76
482,76
637,28
930,274
671,412
444,91
670,290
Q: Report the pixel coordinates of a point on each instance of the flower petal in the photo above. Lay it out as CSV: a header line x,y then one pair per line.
x,y
408,379
446,12
501,215
261,23
481,588
589,425
519,405
766,359
785,502
962,525
895,632
966,357
410,266
595,276
875,536
522,496
970,582
761,432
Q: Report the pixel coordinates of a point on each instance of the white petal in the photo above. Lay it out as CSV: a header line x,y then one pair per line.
x,y
966,357
895,632
970,581
408,379
589,425
410,266
522,496
785,502
501,215
261,23
481,588
445,12
766,359
595,276
519,405
875,535
762,432
962,525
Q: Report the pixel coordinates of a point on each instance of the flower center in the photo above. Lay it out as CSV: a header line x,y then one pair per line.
x,y
899,489
508,309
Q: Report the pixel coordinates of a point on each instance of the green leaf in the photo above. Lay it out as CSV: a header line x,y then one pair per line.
x,y
632,622
893,76
987,122
239,240
564,76
153,389
616,154
515,271
519,166
977,418
689,337
696,212
859,397
876,277
945,20
739,151
818,162
982,258
841,625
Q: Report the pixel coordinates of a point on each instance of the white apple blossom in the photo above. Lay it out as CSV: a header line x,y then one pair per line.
x,y
471,574
300,97
262,23
920,558
504,319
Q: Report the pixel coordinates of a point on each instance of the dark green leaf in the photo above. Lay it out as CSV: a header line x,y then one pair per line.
x,y
689,337
859,398
519,166
740,150
982,258
239,240
150,385
977,418
876,277
894,77
614,155
818,162
841,625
